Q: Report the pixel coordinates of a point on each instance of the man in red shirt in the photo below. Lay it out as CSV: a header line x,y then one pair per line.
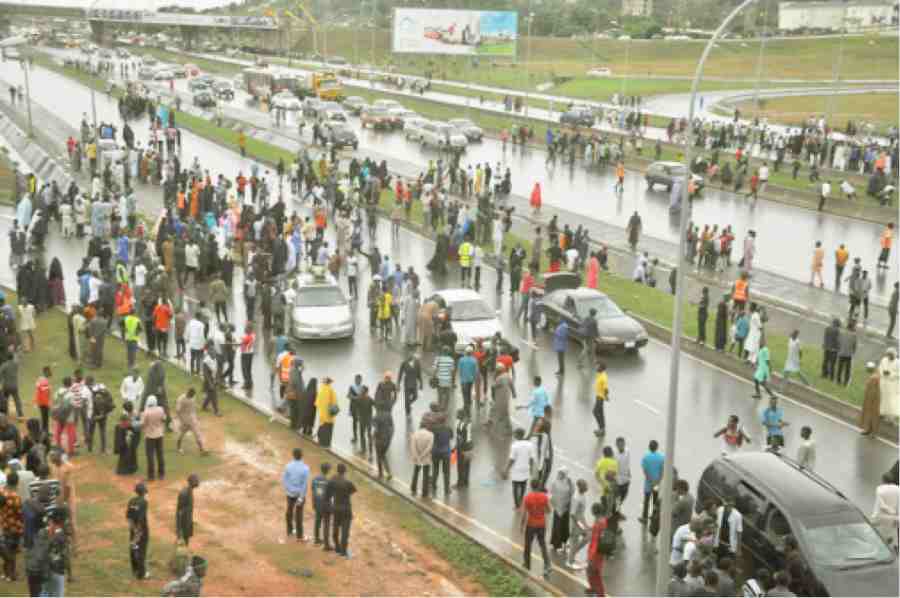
x,y
42,394
594,556
535,507
162,318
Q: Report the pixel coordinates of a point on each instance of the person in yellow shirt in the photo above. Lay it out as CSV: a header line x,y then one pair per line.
x,y
601,393
327,410
606,471
841,255
384,313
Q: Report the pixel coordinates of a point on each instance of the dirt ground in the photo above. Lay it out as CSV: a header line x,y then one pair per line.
x,y
240,530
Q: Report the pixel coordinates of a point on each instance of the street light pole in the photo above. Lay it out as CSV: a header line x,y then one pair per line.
x,y
759,64
836,74
665,520
528,62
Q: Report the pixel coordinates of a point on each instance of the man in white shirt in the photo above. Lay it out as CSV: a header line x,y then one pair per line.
x,y
521,461
623,475
94,287
824,192
477,259
196,340
763,176
132,388
806,453
571,258
191,260
886,514
140,280
729,529
848,189
352,262
580,528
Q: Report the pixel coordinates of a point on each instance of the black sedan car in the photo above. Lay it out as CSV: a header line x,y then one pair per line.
x,y
564,299
204,99
341,135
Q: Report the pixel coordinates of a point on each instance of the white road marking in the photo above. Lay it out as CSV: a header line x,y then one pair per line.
x,y
649,408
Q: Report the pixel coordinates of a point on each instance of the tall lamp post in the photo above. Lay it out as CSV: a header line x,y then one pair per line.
x,y
665,521
528,62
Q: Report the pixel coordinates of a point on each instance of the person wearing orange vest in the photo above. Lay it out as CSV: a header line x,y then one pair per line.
x,y
841,255
740,293
818,262
284,361
887,238
124,304
620,177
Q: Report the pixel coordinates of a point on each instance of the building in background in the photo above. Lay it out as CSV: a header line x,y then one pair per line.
x,y
836,15
637,8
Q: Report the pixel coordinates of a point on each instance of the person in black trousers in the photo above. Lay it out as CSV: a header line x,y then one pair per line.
x,y
338,493
702,315
138,531
440,456
463,448
410,377
319,490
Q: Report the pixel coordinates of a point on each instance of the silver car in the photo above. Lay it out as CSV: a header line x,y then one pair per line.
x,y
465,126
435,134
321,310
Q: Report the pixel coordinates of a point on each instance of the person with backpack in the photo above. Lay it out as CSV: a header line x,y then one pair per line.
x,y
603,544
63,414
729,529
102,404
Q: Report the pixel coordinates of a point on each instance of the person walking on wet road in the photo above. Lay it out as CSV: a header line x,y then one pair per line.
x,y
773,422
601,396
634,230
818,262
652,464
520,465
702,315
578,526
421,444
841,255
763,370
535,507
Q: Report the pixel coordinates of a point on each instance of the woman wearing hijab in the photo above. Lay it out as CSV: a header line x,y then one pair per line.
x,y
127,440
308,407
56,290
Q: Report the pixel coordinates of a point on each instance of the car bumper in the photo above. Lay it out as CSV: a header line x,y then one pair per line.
x,y
337,332
623,345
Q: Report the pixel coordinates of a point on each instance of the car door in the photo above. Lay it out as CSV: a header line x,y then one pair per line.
x,y
753,507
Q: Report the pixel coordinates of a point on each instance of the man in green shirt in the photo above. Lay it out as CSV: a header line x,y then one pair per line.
x,y
133,329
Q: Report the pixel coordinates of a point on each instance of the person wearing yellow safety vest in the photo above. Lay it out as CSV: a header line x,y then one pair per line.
x,y
133,328
465,252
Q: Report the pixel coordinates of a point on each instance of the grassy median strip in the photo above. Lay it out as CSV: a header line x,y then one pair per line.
x,y
652,304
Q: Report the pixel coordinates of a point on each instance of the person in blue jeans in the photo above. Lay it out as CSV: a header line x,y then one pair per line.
x,y
652,464
467,372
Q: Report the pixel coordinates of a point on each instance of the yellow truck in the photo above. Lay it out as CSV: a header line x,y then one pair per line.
x,y
320,84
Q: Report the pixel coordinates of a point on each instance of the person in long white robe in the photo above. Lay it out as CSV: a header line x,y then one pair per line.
x,y
409,311
889,369
751,345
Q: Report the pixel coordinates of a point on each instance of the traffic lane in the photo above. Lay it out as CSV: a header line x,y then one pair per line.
x,y
632,413
228,160
771,220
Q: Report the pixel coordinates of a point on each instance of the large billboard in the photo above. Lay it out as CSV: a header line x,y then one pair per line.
x,y
476,32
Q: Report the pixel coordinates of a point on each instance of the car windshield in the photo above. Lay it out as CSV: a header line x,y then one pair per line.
x,y
846,544
473,309
320,297
605,308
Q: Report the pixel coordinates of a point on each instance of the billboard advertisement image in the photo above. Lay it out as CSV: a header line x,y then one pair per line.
x,y
473,32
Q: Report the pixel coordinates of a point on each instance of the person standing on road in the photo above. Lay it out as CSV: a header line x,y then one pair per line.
x,y
410,376
601,396
824,193
773,422
560,345
595,554
294,480
561,492
535,507
841,255
721,324
440,455
652,464
607,471
535,200
806,452
421,443
887,238
520,465
444,367
248,348
623,472
326,410
578,525
590,331
702,315
818,262
890,380
464,448
634,230
338,495
467,372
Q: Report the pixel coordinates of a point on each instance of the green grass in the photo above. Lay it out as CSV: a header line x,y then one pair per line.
x,y
880,109
7,180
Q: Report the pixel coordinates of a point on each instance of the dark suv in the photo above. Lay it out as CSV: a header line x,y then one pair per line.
x,y
777,498
578,117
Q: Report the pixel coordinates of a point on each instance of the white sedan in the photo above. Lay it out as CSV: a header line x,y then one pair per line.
x,y
286,101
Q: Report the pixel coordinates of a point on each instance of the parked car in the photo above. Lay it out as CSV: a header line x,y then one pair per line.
x,y
578,116
412,128
442,135
354,104
465,126
389,105
471,318
376,117
205,99
198,84
341,135
565,299
665,173
224,90
777,498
